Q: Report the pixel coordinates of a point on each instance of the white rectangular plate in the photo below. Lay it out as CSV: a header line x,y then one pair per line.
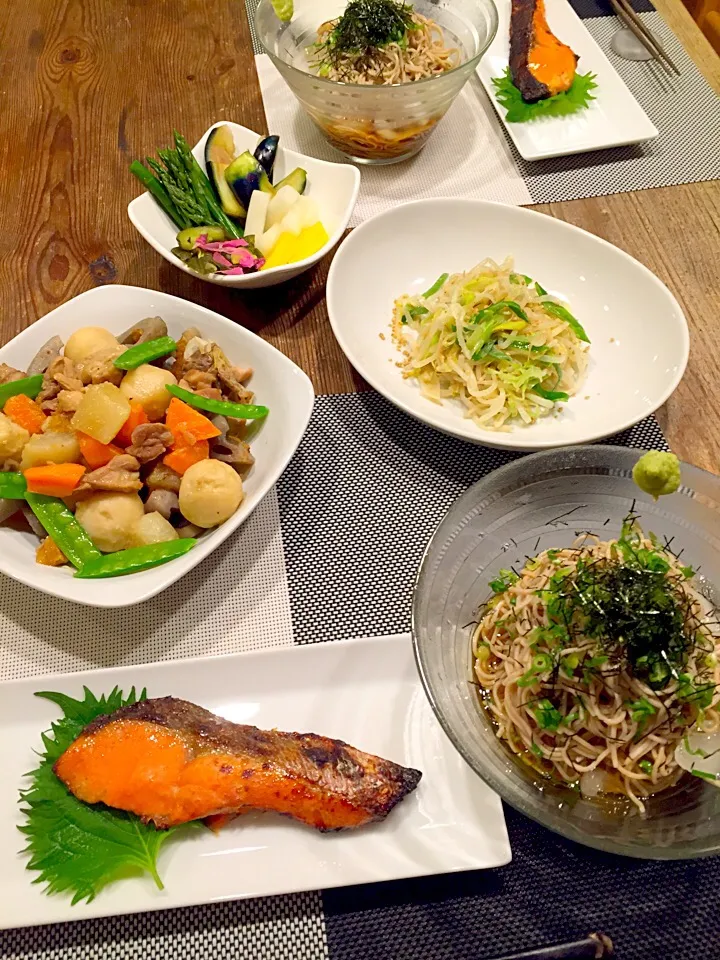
x,y
613,119
365,692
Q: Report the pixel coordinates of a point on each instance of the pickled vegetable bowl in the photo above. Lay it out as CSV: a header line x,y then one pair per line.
x,y
233,219
119,452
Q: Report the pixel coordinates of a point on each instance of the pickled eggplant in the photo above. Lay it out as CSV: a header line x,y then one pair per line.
x,y
245,175
219,154
265,153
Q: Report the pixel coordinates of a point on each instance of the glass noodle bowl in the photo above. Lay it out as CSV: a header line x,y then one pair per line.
x,y
376,123
538,503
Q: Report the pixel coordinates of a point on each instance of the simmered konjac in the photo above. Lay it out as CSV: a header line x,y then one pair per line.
x,y
129,445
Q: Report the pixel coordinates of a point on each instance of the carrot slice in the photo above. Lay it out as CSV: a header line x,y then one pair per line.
x,y
95,453
54,480
25,413
181,458
187,425
137,418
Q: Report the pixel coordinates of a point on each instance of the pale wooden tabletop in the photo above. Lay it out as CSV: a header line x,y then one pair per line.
x,y
87,87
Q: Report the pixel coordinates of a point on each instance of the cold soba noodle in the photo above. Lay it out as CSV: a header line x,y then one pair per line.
x,y
596,661
380,43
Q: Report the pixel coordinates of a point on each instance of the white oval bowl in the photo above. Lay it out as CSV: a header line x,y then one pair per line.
x,y
640,339
333,185
277,383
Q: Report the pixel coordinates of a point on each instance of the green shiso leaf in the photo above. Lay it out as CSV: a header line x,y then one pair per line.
x,y
578,97
77,848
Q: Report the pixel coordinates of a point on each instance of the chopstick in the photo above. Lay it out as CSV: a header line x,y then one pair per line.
x,y
593,947
626,13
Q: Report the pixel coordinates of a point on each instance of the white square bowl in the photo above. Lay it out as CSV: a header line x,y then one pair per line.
x,y
333,185
277,383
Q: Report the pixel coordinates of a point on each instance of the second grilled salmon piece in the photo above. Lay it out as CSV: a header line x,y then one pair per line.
x,y
540,64
170,761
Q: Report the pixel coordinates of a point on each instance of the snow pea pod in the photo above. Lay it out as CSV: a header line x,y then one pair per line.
x,y
12,486
30,386
134,560
242,411
62,526
145,353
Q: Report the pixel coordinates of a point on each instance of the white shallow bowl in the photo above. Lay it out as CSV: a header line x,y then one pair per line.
x,y
333,185
639,334
277,383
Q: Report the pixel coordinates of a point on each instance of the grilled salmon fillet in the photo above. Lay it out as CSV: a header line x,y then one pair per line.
x,y
540,64
170,761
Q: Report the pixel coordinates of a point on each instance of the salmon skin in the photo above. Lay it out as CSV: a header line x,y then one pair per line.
x,y
540,64
170,761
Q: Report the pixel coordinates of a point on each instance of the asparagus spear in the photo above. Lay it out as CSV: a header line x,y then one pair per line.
x,y
179,185
203,189
153,186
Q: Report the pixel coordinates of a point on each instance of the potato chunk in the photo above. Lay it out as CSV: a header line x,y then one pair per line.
x,y
146,385
44,448
210,493
153,528
110,519
12,438
88,340
102,411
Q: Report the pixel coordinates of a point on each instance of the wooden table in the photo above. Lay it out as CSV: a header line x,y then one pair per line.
x,y
89,85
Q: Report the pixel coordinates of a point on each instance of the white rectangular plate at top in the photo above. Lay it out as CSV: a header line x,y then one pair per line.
x,y
366,692
613,119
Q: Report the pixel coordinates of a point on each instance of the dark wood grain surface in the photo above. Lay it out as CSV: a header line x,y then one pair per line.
x,y
89,85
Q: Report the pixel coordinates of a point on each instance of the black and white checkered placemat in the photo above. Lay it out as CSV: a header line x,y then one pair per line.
x,y
335,549
685,110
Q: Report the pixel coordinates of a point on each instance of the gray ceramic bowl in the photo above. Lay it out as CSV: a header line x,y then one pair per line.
x,y
533,504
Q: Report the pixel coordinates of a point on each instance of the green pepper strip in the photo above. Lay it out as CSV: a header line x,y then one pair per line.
x,y
557,310
486,320
554,395
62,526
134,560
242,411
30,386
144,353
436,286
12,486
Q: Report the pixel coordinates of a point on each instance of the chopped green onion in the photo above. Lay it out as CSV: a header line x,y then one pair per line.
x,y
659,674
504,579
693,753
570,664
440,282
483,653
548,718
713,777
641,711
646,767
